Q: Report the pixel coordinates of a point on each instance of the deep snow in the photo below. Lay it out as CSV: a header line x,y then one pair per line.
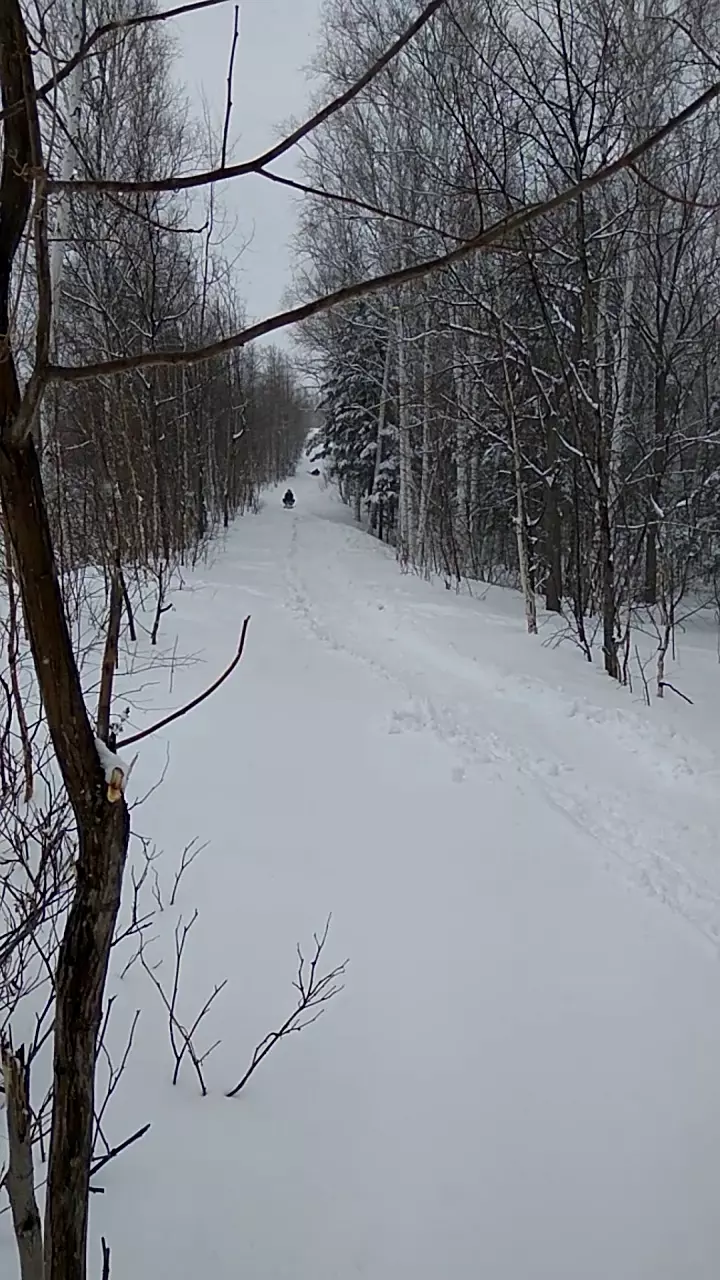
x,y
521,1080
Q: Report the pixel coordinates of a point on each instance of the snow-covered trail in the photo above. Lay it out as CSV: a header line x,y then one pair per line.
x,y
627,777
520,1081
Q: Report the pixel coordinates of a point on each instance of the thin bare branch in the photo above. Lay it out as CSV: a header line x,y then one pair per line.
x,y
315,989
363,206
190,706
688,202
228,102
182,1037
115,27
116,1151
223,174
498,233
189,854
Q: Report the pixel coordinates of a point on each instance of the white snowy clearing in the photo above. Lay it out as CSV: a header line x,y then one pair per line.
x,y
521,1079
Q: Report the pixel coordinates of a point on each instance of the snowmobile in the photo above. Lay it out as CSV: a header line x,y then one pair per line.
x,y
289,500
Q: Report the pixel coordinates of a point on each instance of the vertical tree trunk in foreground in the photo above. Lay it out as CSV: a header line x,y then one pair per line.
x,y
103,827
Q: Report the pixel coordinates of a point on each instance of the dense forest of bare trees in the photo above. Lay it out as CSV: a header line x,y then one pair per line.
x,y
147,467
545,413
127,480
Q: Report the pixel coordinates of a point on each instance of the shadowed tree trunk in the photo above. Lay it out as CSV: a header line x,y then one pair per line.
x,y
103,827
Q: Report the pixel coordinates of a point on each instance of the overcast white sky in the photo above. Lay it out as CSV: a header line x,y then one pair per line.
x,y
278,38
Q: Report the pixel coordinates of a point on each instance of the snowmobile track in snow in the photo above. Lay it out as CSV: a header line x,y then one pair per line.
x,y
642,849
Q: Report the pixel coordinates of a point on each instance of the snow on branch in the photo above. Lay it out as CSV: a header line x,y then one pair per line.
x,y
115,769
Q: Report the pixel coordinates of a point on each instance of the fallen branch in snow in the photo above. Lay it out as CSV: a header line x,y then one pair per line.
x,y
665,684
190,706
314,991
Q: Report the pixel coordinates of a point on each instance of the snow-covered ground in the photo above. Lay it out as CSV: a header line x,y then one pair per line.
x,y
521,1080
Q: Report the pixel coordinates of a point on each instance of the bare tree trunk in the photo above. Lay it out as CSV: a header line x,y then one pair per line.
x,y
110,656
553,522
521,528
69,160
20,1175
622,405
382,417
406,499
62,220
461,472
475,536
522,536
667,622
607,579
12,657
103,835
103,827
425,475
657,461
